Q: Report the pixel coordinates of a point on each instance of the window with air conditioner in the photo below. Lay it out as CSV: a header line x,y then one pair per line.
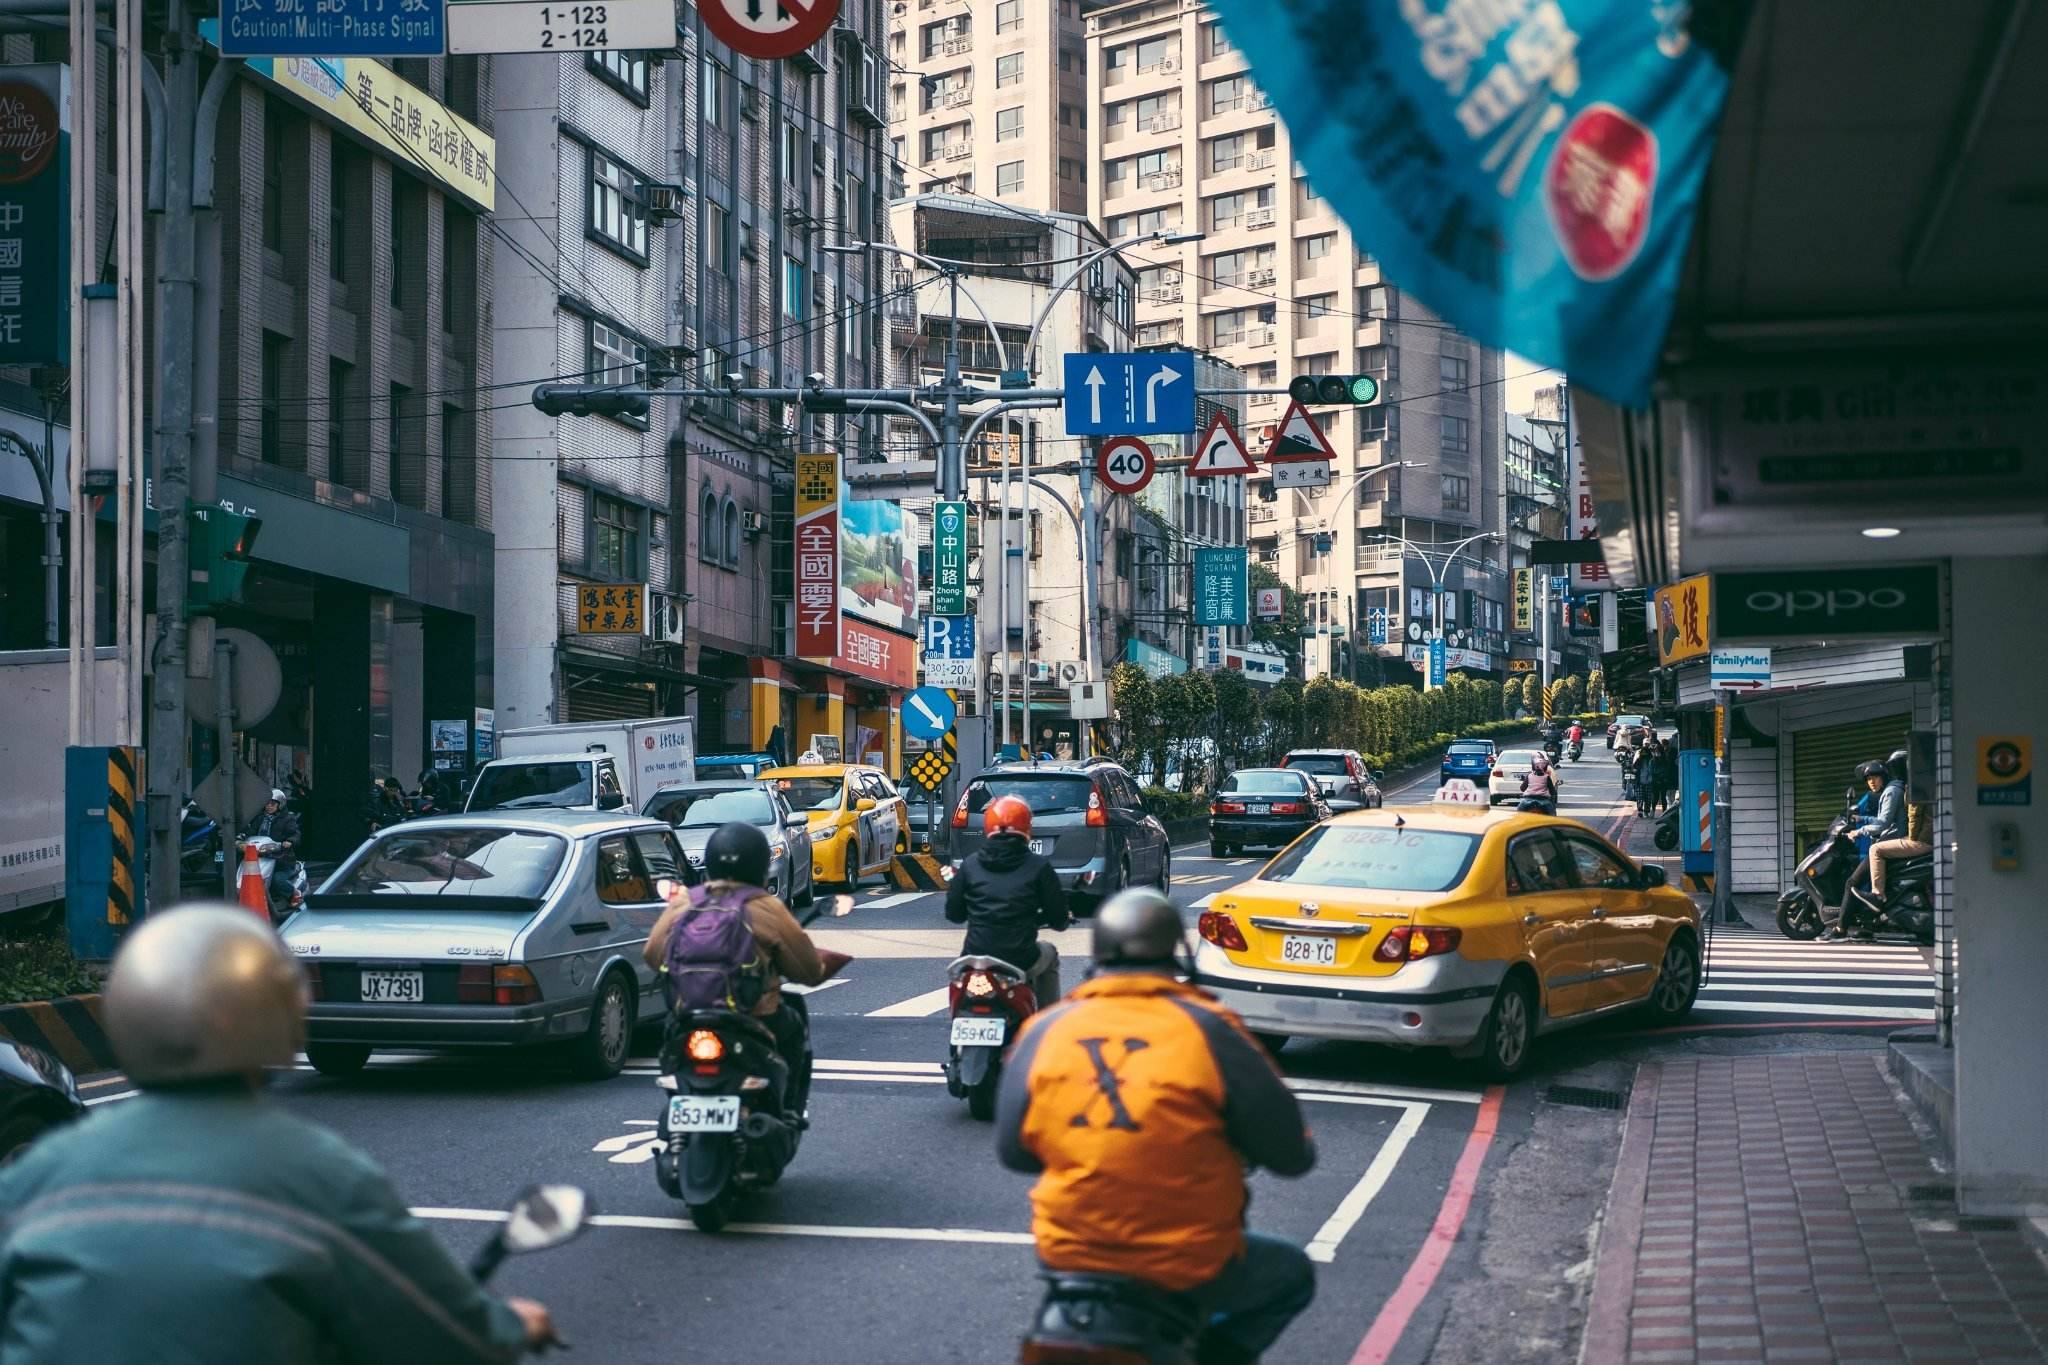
x,y
618,207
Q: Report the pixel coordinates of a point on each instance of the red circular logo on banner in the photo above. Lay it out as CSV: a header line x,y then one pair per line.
x,y
1598,187
768,29
1124,464
29,130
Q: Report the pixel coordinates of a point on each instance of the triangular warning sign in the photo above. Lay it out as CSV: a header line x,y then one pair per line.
x,y
1221,451
1299,438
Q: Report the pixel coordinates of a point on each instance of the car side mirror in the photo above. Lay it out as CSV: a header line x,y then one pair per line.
x,y
1653,875
611,800
865,803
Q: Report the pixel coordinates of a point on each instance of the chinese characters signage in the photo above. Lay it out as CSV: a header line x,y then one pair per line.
x,y
1525,601
1528,170
332,28
817,555
949,559
875,654
611,609
1220,585
1584,520
1684,619
35,216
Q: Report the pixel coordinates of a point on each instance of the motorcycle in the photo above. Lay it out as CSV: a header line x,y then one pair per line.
x,y
1111,1318
1823,876
542,1218
1667,829
199,845
735,1111
988,999
1553,747
281,907
1575,749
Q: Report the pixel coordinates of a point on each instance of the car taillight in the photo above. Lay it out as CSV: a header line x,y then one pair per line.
x,y
704,1046
1220,929
473,984
1097,814
514,986
1287,808
1407,942
1226,808
979,984
960,813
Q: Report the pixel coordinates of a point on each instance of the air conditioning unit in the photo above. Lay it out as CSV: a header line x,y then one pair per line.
x,y
1258,278
664,202
811,59
863,83
955,151
1169,64
955,99
665,618
818,157
750,102
1258,218
754,523
1067,672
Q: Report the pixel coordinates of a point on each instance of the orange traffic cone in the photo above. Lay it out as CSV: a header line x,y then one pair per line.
x,y
249,884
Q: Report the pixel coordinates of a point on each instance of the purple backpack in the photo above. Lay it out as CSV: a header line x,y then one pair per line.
x,y
713,961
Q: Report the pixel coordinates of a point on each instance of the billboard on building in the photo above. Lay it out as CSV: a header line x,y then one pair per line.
x,y
877,564
35,215
817,554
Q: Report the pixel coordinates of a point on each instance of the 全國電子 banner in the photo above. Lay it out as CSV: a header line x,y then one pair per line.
x,y
1528,169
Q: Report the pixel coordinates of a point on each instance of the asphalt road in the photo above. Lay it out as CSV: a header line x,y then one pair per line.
x,y
1445,1217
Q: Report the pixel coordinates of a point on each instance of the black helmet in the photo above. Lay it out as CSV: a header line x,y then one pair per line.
x,y
736,852
1896,765
1138,928
1866,771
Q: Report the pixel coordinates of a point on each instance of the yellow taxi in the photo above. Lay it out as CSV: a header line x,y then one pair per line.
x,y
1450,925
858,820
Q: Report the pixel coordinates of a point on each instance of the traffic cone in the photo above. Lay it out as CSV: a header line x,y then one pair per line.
x,y
249,887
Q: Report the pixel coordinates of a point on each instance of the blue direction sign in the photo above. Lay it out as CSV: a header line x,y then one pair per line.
x,y
928,713
1439,655
333,28
1376,625
1116,394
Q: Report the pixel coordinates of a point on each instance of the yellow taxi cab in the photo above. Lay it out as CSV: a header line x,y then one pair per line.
x,y
858,820
1450,925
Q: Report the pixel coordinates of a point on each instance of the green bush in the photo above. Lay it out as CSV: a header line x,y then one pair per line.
x,y
41,967
1171,805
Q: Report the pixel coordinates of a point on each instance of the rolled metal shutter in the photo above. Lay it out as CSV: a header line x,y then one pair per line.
x,y
1824,766
589,697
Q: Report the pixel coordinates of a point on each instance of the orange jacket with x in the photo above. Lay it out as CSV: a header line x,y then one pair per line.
x,y
1138,1100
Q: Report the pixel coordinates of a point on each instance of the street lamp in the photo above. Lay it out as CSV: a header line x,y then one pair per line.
x,y
1437,569
1323,529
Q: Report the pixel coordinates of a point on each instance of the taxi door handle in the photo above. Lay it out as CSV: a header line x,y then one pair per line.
x,y
1597,913
1532,919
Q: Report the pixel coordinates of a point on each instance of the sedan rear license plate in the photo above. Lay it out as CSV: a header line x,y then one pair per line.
x,y
704,1114
394,988
978,1031
1258,808
1041,846
1312,950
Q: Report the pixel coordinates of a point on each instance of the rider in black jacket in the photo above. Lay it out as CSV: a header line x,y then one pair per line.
x,y
1004,892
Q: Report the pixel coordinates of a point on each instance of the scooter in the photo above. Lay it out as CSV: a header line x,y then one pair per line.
x,y
1823,877
1111,1318
1575,749
988,999
199,845
1667,829
281,908
544,1217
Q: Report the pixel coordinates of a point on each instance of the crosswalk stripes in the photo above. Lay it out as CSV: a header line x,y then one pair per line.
x,y
1760,972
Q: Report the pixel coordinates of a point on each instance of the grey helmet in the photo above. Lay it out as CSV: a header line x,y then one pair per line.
x,y
1138,928
1896,765
203,992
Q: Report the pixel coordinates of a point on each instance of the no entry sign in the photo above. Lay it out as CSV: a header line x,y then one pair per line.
x,y
1124,463
768,29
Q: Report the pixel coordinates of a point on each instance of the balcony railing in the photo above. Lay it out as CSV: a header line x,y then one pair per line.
x,y
1160,123
1165,293
1163,180
1258,279
1259,218
1258,161
1165,65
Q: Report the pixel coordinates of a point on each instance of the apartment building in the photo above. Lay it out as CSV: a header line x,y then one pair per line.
x,y
1184,141
990,99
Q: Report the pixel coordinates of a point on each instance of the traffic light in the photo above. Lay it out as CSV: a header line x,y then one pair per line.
x,y
1323,543
1585,614
219,543
1335,390
586,400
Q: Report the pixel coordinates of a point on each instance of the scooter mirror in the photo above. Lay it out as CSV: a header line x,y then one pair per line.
x,y
547,1216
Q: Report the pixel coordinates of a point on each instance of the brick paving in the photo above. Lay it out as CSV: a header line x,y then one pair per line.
x,y
1781,1208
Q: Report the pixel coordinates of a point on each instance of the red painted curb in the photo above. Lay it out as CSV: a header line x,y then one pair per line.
x,y
1621,1227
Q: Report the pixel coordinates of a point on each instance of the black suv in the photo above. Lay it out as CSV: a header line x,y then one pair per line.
x,y
1085,816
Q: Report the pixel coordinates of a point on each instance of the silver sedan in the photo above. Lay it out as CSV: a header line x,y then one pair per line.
x,y
699,808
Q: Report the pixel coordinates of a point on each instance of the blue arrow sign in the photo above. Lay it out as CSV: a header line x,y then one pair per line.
x,y
928,713
1116,394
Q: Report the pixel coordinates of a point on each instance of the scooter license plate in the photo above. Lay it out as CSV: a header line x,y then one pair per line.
x,y
704,1114
979,1031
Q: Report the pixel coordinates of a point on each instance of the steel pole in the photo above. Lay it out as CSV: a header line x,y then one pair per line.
x,y
1091,575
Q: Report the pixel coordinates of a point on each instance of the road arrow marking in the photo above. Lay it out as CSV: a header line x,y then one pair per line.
x,y
1151,392
1094,382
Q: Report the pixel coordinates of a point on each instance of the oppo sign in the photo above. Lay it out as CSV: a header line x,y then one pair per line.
x,y
1828,604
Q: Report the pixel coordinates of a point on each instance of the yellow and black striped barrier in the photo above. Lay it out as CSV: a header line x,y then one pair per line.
x,y
917,872
124,787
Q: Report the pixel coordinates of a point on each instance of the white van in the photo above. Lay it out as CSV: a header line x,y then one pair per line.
x,y
602,765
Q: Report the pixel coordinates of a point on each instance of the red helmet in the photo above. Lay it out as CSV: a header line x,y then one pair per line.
x,y
1007,815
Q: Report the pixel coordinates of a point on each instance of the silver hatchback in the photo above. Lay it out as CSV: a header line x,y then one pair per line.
x,y
488,931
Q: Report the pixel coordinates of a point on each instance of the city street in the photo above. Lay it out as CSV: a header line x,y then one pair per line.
x,y
904,1239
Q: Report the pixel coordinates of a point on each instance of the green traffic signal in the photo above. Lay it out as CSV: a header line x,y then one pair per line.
x,y
1335,390
219,547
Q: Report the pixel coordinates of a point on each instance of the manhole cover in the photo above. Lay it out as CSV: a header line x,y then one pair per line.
x,y
1585,1097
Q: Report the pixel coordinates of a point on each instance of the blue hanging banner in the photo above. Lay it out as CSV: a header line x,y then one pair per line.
x,y
1529,170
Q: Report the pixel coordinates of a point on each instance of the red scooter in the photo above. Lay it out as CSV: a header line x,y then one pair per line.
x,y
988,999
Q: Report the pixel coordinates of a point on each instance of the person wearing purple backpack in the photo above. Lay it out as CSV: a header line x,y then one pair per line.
x,y
699,939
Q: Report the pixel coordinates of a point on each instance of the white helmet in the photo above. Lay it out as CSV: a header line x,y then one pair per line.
x,y
1539,763
204,991
277,795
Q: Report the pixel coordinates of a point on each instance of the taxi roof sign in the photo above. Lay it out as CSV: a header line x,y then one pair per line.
x,y
1460,791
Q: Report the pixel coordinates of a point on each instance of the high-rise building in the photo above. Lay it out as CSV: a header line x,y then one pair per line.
x,y
1182,141
990,99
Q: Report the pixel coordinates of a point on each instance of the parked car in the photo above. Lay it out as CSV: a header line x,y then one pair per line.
x,y
487,931
859,821
1263,807
37,1094
1627,730
701,807
1471,759
1453,926
725,767
1346,782
1085,816
1509,768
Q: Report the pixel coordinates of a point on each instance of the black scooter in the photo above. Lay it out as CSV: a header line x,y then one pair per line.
x,y
1823,878
1111,1318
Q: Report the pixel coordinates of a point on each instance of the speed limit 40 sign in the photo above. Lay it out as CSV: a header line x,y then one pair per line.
x,y
1124,464
768,29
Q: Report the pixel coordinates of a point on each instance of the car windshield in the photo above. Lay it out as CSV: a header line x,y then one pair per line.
x,y
1046,795
693,809
1467,750
1330,765
454,864
1516,758
811,793
532,786
1376,858
1265,782
1633,720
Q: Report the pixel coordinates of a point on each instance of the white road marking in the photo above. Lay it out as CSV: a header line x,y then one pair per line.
x,y
1206,901
830,1064
899,898
1306,1086
1323,1246
109,1099
1722,986
916,1007
1200,881
827,985
630,1220
1822,1010
1242,862
885,1078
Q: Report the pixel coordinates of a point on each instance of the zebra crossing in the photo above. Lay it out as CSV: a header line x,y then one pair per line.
x,y
1761,974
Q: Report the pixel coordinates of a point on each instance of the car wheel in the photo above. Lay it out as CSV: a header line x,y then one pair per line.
x,y
1216,847
17,1133
810,891
1234,851
337,1059
1678,980
852,878
1165,872
600,1053
1510,1030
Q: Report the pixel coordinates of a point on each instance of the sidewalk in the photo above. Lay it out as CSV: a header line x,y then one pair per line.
x,y
1781,1208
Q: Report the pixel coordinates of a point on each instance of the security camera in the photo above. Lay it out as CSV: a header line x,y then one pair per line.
x,y
733,378
816,379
